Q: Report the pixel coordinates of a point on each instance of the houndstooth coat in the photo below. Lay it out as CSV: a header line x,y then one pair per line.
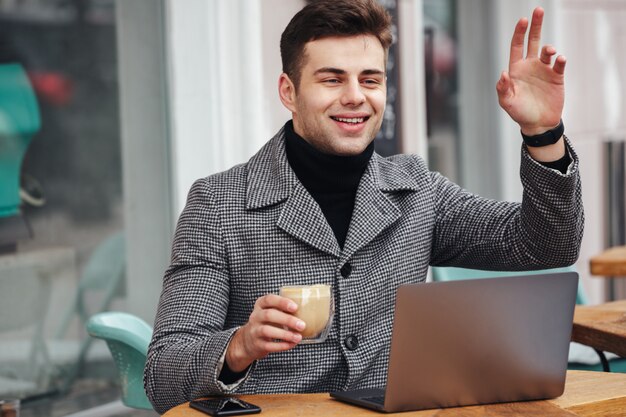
x,y
248,231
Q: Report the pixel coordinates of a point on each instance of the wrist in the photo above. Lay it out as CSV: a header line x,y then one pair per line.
x,y
546,138
531,130
236,357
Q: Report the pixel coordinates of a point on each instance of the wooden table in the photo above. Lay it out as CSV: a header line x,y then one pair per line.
x,y
586,394
603,327
610,263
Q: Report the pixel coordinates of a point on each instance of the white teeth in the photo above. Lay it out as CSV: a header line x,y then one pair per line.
x,y
351,120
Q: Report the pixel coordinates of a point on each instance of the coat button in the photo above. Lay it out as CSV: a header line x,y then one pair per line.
x,y
345,270
351,342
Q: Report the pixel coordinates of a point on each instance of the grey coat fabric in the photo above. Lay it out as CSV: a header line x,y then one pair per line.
x,y
248,231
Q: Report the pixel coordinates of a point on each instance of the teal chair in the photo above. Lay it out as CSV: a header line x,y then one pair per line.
x,y
128,338
440,273
19,121
101,280
62,358
104,273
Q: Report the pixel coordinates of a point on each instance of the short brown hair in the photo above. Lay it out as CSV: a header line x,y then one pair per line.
x,y
324,18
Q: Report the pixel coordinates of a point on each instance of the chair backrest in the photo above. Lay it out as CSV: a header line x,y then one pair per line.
x,y
104,272
128,338
101,280
19,120
448,273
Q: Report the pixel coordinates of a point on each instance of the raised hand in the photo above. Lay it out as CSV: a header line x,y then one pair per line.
x,y
532,90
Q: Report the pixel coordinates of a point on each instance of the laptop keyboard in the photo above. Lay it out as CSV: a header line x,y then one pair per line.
x,y
379,399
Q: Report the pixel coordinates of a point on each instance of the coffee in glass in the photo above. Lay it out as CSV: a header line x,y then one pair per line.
x,y
315,307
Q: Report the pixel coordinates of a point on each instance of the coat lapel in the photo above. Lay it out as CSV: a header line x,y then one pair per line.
x,y
271,180
302,218
373,210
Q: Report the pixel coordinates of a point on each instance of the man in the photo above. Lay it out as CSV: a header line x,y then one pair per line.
x,y
317,205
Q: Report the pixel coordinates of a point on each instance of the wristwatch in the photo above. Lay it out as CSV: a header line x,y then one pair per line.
x,y
546,138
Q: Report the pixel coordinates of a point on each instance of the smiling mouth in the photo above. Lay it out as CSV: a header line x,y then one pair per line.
x,y
351,120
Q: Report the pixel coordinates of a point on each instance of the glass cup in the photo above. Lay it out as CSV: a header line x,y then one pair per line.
x,y
316,308
10,408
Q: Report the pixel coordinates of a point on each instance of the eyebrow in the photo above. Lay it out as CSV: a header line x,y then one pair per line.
x,y
339,71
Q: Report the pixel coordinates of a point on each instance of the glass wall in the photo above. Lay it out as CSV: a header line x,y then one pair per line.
x,y
67,237
441,44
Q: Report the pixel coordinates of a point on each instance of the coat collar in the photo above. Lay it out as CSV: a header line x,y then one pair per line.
x,y
374,210
270,180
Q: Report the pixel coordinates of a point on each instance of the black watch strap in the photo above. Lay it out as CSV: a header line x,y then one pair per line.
x,y
546,138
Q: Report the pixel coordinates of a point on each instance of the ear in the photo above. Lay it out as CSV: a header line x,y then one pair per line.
x,y
287,92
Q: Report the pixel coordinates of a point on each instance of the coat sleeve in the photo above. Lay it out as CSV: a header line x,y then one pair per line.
x,y
543,231
189,340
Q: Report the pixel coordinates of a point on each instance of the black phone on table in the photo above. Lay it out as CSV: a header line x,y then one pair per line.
x,y
224,406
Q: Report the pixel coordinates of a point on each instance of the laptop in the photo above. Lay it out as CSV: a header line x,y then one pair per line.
x,y
475,342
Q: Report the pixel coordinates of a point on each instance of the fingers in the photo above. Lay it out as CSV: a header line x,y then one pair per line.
x,y
534,41
274,334
271,319
517,43
547,52
276,301
534,36
271,327
278,318
252,342
276,311
262,339
559,65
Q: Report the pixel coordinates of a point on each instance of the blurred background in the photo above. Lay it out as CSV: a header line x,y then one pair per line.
x,y
110,109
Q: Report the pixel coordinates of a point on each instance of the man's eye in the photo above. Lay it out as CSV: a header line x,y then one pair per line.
x,y
371,82
331,81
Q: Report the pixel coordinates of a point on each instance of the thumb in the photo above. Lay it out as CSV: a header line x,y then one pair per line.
x,y
503,86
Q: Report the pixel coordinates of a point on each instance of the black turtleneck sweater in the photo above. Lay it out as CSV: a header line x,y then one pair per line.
x,y
331,180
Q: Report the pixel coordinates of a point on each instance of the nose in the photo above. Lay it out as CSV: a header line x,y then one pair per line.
x,y
352,94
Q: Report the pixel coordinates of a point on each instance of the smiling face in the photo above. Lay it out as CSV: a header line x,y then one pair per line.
x,y
338,106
